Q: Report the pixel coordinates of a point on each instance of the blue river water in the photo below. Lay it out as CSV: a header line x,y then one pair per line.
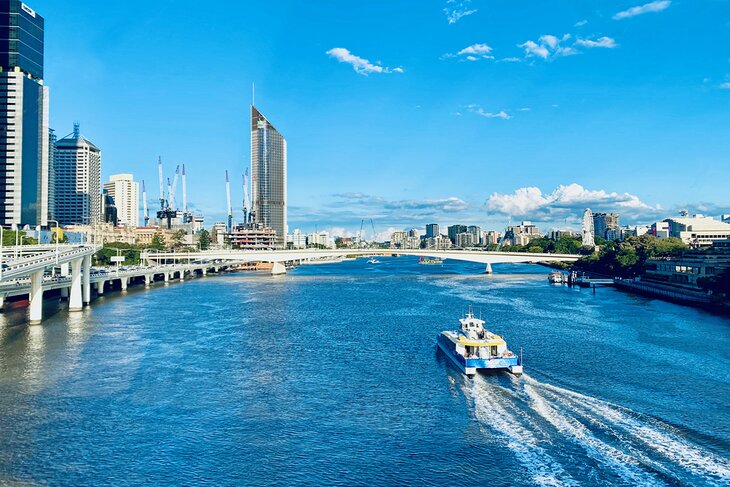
x,y
330,375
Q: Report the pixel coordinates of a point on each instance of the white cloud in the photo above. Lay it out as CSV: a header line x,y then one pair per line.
x,y
360,65
565,201
725,85
606,42
656,6
456,10
524,109
547,46
581,23
474,52
473,108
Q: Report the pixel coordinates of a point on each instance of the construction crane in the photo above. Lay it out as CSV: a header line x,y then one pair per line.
x,y
373,225
185,192
173,190
228,200
162,191
145,213
245,198
359,236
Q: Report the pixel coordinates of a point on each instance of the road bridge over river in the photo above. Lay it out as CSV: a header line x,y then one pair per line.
x,y
280,257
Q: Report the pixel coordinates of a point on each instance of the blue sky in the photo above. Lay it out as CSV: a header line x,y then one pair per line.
x,y
409,112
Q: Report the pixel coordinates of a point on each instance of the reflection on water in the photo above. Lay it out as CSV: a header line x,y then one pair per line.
x,y
330,375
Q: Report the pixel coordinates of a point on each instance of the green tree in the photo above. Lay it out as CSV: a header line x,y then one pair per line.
x,y
178,239
204,239
158,242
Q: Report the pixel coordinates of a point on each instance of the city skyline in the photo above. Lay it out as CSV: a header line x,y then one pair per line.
x,y
422,136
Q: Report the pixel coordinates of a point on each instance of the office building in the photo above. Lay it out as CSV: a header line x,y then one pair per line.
x,y
24,134
605,222
432,229
77,180
125,192
476,233
454,230
521,234
108,208
268,175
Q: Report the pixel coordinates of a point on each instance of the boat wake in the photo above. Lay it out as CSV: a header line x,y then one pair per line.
x,y
561,437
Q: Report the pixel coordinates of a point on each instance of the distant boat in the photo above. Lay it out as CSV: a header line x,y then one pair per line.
x,y
557,278
473,347
430,261
373,260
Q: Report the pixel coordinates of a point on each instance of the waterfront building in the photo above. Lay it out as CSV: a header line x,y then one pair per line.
x,y
432,230
603,222
253,236
697,230
125,192
296,240
726,218
24,161
268,175
404,240
77,180
686,270
413,232
454,230
108,208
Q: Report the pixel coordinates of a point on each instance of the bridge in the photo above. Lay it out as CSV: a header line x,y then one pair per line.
x,y
280,257
41,268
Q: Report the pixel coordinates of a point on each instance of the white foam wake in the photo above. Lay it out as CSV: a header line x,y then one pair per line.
x,y
657,437
491,412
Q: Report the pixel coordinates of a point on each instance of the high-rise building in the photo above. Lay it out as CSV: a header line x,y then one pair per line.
x,y
602,222
432,229
454,230
24,132
125,192
588,229
268,175
108,208
51,174
77,180
476,233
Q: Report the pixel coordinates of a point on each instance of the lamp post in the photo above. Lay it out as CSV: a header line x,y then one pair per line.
x,y
57,228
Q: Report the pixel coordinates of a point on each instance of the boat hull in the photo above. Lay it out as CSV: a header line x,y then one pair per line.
x,y
470,366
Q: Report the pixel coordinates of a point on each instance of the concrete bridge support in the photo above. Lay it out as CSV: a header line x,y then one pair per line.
x,y
488,270
278,269
100,287
204,271
64,293
86,265
36,297
147,280
64,269
182,275
75,302
2,301
167,277
125,283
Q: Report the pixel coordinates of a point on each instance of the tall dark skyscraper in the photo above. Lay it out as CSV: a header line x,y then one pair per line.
x,y
268,175
24,135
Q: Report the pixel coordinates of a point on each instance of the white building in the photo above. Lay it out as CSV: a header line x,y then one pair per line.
x,y
297,240
125,192
320,239
697,230
218,234
77,165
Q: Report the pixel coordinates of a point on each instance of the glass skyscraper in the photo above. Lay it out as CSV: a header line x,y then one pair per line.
x,y
268,175
24,135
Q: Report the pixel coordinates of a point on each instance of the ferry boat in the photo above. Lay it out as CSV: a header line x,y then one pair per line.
x,y
430,261
473,347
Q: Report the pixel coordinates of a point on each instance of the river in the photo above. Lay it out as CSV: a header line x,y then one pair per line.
x,y
330,375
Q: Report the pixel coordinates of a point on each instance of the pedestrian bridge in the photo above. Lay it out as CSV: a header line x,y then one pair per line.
x,y
280,257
